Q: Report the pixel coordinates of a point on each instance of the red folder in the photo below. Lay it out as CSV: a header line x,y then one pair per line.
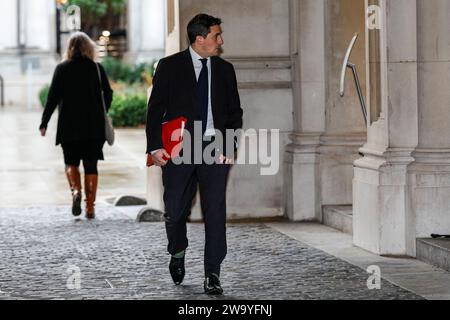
x,y
172,137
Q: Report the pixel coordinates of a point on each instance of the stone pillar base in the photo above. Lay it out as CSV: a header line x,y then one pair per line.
x,y
381,214
429,183
155,189
302,178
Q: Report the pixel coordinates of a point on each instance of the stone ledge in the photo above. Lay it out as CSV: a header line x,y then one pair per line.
x,y
339,217
126,200
265,85
150,215
434,251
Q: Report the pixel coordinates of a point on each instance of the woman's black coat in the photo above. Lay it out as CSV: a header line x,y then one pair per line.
x,y
76,89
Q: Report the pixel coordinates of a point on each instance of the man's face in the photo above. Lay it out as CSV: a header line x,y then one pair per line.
x,y
212,44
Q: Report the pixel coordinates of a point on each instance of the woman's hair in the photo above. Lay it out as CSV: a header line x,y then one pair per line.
x,y
80,46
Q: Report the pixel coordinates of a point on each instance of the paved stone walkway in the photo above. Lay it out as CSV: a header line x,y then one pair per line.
x,y
44,249
32,167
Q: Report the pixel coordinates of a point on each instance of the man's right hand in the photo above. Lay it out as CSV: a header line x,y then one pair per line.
x,y
158,157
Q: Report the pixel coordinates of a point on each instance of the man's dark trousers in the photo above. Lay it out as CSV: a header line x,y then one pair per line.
x,y
180,185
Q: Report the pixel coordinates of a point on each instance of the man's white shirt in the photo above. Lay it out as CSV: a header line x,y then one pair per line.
x,y
198,68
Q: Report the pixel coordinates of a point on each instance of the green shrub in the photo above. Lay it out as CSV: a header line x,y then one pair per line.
x,y
143,69
116,69
43,94
120,71
128,110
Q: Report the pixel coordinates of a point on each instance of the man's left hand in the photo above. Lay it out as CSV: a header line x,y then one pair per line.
x,y
225,160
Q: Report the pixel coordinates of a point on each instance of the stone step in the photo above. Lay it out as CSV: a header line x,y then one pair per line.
x,y
434,251
338,217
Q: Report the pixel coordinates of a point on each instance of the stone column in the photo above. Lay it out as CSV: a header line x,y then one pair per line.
x,y
167,12
37,35
8,21
430,174
302,196
40,27
382,218
173,27
147,25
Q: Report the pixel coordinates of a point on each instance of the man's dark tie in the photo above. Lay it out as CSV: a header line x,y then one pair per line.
x,y
203,95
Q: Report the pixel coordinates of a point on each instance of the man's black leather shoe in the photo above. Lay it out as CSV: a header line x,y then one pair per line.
x,y
212,285
176,268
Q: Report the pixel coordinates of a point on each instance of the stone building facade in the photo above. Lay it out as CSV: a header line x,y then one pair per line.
x,y
393,172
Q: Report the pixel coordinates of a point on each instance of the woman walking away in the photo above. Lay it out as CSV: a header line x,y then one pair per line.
x,y
76,88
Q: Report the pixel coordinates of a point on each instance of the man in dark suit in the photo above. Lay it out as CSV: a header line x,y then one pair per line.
x,y
202,87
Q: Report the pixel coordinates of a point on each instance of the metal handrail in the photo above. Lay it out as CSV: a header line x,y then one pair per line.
x,y
2,91
346,64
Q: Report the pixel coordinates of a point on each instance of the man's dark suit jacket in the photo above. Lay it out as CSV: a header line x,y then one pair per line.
x,y
174,94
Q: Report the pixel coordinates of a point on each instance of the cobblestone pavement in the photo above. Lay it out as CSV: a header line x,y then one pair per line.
x,y
43,250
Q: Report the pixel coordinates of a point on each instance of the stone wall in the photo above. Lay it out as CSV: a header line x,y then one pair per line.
x,y
256,35
345,129
328,129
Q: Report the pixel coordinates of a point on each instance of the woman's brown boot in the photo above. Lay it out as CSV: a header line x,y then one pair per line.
x,y
90,188
73,176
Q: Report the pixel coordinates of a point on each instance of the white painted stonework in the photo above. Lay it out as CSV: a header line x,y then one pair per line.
x,y
147,30
401,186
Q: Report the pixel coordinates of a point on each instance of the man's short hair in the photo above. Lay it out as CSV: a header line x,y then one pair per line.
x,y
200,26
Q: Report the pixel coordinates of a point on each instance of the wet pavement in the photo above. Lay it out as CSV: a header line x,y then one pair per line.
x,y
32,167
